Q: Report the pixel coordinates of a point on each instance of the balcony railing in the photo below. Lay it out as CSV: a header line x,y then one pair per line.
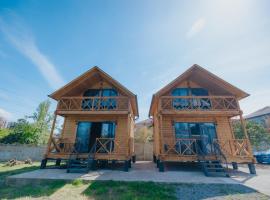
x,y
101,146
201,103
93,104
197,147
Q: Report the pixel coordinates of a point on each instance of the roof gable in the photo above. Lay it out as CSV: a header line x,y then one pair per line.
x,y
95,74
204,78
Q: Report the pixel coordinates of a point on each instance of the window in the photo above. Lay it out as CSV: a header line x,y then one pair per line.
x,y
181,130
83,137
99,103
205,133
190,103
199,92
180,103
108,130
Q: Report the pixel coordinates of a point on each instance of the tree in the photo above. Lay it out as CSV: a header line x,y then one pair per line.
x,y
36,132
144,134
42,120
23,133
259,137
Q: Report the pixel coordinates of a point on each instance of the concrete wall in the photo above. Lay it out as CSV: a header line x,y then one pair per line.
x,y
144,151
21,152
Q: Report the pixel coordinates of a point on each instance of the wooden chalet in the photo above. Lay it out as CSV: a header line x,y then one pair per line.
x,y
99,116
192,122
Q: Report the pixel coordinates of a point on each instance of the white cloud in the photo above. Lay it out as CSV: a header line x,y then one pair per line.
x,y
197,26
5,114
23,40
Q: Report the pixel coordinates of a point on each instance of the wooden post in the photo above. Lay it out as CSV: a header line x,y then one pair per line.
x,y
51,134
243,123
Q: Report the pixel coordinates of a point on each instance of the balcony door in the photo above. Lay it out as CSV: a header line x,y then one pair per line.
x,y
88,132
190,103
204,133
99,103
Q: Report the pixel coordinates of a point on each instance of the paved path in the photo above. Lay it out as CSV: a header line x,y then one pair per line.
x,y
146,171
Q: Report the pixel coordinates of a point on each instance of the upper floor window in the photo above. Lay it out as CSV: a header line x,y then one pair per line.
x,y
189,91
100,103
100,92
190,103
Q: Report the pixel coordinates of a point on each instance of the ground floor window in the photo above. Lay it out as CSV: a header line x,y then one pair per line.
x,y
88,132
204,133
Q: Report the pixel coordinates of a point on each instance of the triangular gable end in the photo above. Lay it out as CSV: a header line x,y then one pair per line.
x,y
91,74
204,78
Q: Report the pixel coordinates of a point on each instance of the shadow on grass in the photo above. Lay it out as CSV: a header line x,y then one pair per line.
x,y
12,171
40,190
130,190
217,191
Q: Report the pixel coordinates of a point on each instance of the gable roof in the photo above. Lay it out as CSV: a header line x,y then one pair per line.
x,y
260,112
89,74
200,73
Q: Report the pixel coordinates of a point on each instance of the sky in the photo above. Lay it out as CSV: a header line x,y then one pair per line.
x,y
142,44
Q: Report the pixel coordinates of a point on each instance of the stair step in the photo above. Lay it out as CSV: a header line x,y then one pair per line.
x,y
77,170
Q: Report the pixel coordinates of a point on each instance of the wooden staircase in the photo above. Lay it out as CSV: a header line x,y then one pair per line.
x,y
80,165
213,168
76,164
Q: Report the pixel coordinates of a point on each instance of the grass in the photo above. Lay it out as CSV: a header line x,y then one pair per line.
x,y
117,190
131,190
6,171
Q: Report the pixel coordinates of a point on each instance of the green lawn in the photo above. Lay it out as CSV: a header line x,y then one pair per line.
x,y
99,190
6,171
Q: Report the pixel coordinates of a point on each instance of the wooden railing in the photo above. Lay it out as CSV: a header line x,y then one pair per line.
x,y
117,103
102,146
181,147
106,146
235,147
61,146
201,103
196,147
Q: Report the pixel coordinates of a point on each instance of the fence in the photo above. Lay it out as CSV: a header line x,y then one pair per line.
x,y
35,153
21,152
144,151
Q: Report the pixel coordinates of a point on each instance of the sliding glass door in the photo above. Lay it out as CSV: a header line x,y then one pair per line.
x,y
204,133
88,132
83,137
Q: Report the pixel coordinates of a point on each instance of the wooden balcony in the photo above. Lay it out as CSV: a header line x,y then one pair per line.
x,y
199,104
104,148
190,149
93,105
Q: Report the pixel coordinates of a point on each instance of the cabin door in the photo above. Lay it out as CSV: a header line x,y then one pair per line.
x,y
208,135
88,132
83,137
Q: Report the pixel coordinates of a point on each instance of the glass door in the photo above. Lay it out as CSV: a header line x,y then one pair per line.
x,y
208,134
83,137
180,103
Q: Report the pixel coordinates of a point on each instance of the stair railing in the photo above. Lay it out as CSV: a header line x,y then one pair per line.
x,y
221,156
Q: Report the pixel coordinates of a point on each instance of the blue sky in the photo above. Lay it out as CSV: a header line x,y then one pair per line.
x,y
142,44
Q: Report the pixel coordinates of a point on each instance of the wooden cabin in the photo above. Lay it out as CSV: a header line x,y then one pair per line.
x,y
98,125
192,122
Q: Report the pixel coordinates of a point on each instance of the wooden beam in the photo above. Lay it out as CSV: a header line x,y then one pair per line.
x,y
243,123
51,134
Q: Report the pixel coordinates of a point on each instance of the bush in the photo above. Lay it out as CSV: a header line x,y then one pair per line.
x,y
258,136
23,132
